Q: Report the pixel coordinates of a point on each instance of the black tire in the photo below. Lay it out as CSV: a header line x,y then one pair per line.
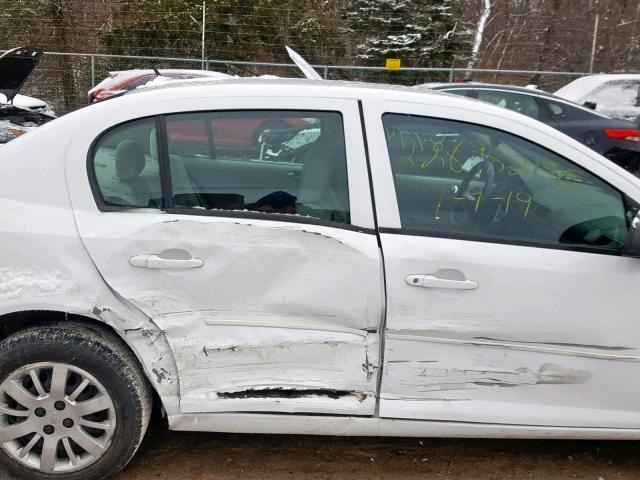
x,y
106,359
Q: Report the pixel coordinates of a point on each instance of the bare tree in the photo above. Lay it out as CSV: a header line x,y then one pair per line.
x,y
477,42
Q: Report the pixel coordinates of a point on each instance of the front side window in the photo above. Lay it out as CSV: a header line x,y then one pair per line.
x,y
126,171
517,102
270,161
468,181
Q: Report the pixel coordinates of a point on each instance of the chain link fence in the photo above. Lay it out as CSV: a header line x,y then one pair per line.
x,y
63,79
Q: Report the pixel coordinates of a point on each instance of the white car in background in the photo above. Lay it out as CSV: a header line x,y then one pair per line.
x,y
33,104
616,95
423,265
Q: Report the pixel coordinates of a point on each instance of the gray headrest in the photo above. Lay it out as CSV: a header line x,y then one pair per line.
x,y
153,144
130,160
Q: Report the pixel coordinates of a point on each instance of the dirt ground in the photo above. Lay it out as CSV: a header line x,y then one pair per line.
x,y
208,456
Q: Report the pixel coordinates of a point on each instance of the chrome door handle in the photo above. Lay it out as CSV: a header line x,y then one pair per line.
x,y
156,261
431,281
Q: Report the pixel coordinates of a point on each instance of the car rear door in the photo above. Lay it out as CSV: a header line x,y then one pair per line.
x,y
509,306
270,299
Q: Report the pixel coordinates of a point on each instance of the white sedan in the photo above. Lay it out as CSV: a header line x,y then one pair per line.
x,y
413,264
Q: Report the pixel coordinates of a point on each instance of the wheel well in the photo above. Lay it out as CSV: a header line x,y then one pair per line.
x,y
17,321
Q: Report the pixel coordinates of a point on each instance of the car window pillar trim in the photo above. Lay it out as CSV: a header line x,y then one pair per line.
x,y
163,159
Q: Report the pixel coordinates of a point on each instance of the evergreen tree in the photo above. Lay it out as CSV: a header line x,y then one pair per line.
x,y
235,30
420,32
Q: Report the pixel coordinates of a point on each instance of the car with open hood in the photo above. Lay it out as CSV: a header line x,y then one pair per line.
x,y
19,114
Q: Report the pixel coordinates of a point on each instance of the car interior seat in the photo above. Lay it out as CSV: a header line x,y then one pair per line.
x,y
184,194
131,187
323,191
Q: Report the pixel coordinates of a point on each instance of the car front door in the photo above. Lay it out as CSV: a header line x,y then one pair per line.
x,y
260,265
508,299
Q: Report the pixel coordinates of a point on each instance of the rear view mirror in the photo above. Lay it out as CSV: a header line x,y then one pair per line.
x,y
590,104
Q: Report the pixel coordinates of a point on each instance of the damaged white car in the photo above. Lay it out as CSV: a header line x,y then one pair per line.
x,y
421,265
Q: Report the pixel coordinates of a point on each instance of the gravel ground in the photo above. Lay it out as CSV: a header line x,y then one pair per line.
x,y
209,456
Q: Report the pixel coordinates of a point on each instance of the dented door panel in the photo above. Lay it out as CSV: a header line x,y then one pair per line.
x,y
262,314
494,382
280,317
545,337
536,343
255,366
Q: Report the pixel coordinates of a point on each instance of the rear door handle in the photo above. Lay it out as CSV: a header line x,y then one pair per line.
x,y
156,261
431,281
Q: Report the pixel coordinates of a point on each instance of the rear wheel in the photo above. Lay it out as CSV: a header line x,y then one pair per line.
x,y
73,404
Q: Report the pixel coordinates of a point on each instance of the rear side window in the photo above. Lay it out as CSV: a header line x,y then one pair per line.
x,y
460,180
562,111
125,169
517,102
286,162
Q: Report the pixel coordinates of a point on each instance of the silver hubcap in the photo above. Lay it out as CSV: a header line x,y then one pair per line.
x,y
55,417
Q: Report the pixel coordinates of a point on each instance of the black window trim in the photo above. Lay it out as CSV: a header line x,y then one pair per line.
x,y
502,241
165,178
626,201
163,158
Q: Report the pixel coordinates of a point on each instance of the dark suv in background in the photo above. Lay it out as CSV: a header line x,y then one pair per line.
x,y
616,139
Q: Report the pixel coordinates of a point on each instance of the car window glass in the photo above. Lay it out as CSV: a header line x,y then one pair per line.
x,y
288,162
462,180
562,111
458,91
556,109
616,94
524,104
138,83
126,171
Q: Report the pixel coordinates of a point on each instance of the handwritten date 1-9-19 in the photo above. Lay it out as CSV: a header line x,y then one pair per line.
x,y
518,202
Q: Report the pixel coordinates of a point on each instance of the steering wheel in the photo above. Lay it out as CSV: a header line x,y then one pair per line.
x,y
468,205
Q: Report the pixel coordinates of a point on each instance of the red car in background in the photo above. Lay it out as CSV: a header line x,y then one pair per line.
x,y
121,82
229,133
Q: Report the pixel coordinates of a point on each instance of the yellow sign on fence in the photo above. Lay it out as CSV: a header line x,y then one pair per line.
x,y
393,64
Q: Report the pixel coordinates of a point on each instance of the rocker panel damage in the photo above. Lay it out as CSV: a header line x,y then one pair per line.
x,y
500,382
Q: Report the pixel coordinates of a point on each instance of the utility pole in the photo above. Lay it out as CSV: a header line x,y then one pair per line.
x,y
204,28
593,45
